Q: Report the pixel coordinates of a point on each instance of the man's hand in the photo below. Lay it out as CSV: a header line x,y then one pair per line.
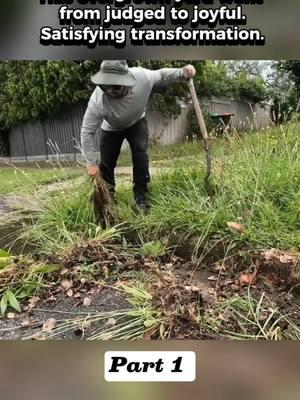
x,y
189,71
93,171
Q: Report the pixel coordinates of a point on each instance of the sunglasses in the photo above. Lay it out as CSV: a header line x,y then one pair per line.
x,y
111,87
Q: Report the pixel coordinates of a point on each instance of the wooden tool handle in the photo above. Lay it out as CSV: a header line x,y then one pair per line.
x,y
198,110
202,126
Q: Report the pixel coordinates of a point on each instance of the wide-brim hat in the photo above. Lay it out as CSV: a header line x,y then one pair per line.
x,y
114,72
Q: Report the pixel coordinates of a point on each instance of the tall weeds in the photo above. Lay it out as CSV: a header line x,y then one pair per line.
x,y
257,180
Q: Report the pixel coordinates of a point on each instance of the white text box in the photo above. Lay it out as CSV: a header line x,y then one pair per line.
x,y
150,366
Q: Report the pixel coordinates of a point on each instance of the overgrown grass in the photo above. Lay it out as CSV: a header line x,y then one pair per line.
x,y
164,154
24,179
257,180
67,218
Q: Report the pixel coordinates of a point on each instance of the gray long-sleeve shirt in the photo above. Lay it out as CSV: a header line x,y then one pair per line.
x,y
118,114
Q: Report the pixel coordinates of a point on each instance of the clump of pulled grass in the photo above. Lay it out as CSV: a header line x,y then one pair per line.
x,y
249,318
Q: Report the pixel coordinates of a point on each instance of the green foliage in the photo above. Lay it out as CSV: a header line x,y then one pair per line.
x,y
292,67
31,90
153,249
4,253
221,79
35,89
193,129
284,89
252,89
215,80
11,300
164,98
20,278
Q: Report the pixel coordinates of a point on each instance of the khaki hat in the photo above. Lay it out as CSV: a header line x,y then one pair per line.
x,y
114,72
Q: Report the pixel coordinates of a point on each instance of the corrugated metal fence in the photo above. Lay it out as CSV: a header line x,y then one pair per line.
x,y
43,139
60,136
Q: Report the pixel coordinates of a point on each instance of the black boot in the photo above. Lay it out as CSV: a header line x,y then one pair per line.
x,y
140,197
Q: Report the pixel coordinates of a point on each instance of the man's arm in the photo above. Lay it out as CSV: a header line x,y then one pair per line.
x,y
169,75
90,125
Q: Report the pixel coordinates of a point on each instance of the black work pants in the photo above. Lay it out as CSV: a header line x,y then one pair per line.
x,y
110,147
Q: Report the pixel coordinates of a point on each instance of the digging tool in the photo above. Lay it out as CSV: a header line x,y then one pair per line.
x,y
103,203
204,135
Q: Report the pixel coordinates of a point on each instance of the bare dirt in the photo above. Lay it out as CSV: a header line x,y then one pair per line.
x,y
89,276
29,324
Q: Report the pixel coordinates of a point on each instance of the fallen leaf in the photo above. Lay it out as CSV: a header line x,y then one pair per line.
x,y
120,283
212,278
11,315
236,226
275,256
49,325
285,258
149,264
111,322
86,325
66,284
168,278
158,285
77,295
51,299
220,267
247,279
105,271
70,293
270,254
192,288
64,271
94,290
38,336
87,301
33,301
26,323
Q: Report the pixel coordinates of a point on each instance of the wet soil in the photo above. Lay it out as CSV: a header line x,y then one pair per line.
x,y
29,324
182,291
